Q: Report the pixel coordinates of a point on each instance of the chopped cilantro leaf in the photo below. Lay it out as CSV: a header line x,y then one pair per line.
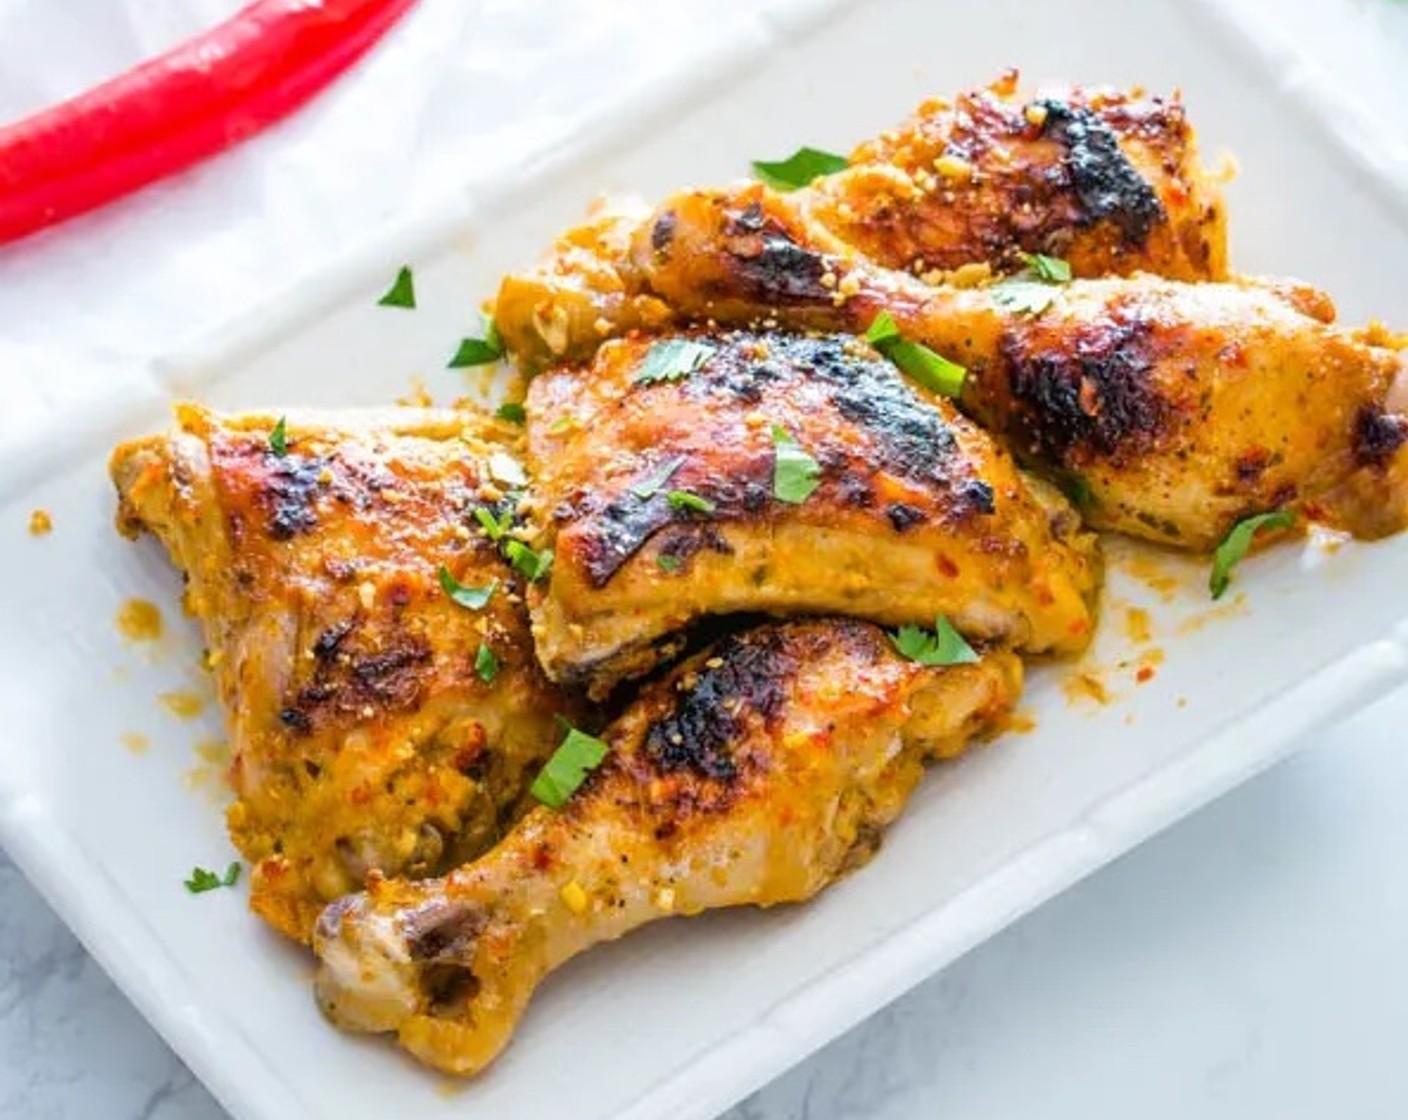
x,y
474,598
1049,270
512,411
933,371
479,351
278,438
576,757
494,527
402,293
1078,490
1238,542
486,664
202,880
650,486
1023,297
534,565
798,169
795,474
672,359
943,646
684,500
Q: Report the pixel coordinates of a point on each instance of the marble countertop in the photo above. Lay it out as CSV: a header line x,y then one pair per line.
x,y
1248,962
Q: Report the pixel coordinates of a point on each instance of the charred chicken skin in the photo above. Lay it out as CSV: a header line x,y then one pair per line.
x,y
363,737
660,498
754,774
1110,181
1182,408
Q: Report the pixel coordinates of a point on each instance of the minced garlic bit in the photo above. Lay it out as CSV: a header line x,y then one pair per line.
x,y
40,523
551,324
665,899
849,285
953,167
574,897
1035,114
366,595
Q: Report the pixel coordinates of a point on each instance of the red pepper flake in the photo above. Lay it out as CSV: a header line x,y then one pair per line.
x,y
1145,674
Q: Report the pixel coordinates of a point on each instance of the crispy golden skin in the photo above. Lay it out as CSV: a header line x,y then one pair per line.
x,y
1108,180
754,774
1182,407
362,736
917,510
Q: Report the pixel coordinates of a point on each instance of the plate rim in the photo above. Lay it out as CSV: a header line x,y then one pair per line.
x,y
128,949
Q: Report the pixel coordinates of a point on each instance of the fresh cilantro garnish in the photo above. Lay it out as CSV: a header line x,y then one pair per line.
x,y
668,563
485,663
685,500
512,411
494,527
202,880
472,597
576,757
1029,292
1023,297
933,371
1049,270
943,646
799,169
649,487
278,438
1235,545
479,351
402,293
534,565
672,359
1078,490
795,474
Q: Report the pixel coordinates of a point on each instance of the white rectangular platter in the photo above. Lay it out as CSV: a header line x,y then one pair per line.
x,y
684,1019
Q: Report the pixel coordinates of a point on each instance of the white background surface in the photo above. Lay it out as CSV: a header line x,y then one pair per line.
x,y
1249,963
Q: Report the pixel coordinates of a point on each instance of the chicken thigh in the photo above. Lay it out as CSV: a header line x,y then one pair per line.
x,y
1175,409
368,731
739,471
754,774
1108,180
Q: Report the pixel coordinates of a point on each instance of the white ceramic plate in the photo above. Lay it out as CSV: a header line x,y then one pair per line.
x,y
685,1018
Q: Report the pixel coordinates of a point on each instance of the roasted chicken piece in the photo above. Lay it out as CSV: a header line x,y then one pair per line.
x,y
367,730
755,773
1109,181
661,485
1176,409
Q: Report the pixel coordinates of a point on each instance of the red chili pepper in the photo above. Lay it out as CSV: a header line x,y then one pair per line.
x,y
200,98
